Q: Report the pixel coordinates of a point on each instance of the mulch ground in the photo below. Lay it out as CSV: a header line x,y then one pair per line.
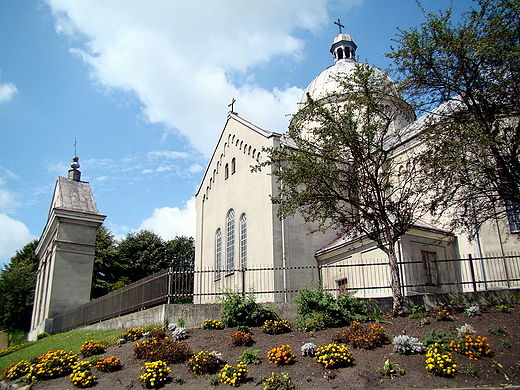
x,y
500,370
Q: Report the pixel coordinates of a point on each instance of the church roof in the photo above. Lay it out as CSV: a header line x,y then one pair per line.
x,y
348,238
234,116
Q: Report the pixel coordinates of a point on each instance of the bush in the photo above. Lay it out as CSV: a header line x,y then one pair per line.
x,y
82,376
133,334
212,324
249,357
465,329
204,362
108,365
239,339
418,312
42,335
155,374
280,381
281,355
156,333
473,310
17,370
276,327
439,361
92,347
474,347
179,334
233,376
239,310
407,345
333,355
170,351
311,322
436,337
317,309
51,364
359,336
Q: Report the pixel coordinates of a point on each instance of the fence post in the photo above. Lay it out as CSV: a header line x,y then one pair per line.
x,y
472,271
170,291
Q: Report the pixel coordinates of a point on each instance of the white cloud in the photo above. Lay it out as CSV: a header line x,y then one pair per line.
x,y
7,92
13,236
180,57
168,222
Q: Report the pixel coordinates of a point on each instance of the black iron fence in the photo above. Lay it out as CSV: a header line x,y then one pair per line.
x,y
368,279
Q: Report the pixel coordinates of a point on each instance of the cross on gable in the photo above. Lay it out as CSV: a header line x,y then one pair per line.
x,y
338,23
232,104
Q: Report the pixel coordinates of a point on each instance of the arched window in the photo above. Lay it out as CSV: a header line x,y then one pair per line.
x,y
243,241
233,165
218,253
226,171
230,242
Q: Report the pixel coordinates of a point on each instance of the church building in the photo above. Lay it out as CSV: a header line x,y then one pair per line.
x,y
238,229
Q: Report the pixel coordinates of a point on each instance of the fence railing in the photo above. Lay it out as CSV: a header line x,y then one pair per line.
x,y
368,279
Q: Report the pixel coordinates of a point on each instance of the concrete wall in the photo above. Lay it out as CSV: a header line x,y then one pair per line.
x,y
194,315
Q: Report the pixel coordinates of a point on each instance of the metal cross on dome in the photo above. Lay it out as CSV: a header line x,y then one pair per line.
x,y
338,23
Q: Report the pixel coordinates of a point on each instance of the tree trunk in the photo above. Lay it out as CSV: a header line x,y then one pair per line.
x,y
395,281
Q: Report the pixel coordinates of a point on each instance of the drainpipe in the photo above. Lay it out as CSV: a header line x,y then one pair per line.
x,y
284,261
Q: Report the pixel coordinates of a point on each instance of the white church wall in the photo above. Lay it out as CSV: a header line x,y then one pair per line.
x,y
244,192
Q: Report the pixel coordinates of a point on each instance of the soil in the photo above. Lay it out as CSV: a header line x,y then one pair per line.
x,y
500,370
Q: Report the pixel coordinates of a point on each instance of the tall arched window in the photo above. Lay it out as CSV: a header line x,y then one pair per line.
x,y
230,242
233,165
218,253
226,171
243,241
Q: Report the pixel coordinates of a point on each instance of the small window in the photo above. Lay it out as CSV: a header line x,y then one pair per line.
x,y
429,260
233,165
226,171
340,53
342,286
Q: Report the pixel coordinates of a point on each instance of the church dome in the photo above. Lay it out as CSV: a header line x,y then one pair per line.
x,y
343,50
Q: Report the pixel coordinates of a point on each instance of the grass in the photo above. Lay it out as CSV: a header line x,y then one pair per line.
x,y
69,341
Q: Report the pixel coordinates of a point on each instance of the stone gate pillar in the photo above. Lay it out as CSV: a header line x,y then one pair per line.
x,y
66,251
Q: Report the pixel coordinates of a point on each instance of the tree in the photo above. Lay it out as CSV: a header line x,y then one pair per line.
x,y
180,256
473,141
344,170
108,268
17,283
180,253
142,253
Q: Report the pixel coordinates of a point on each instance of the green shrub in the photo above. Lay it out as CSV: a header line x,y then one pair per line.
x,y
279,381
318,308
249,356
42,335
436,337
239,310
276,327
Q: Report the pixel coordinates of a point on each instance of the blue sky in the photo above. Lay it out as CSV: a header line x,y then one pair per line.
x,y
144,87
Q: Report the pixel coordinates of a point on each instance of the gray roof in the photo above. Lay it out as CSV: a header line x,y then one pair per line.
x,y
74,196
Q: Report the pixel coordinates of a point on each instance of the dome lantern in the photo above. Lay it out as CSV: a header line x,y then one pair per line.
x,y
343,47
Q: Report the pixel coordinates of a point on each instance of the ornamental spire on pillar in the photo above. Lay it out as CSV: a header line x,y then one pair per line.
x,y
75,173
